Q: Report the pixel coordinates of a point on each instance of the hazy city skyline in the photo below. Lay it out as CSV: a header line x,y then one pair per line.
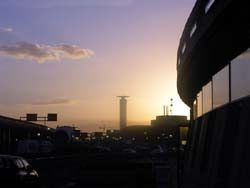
x,y
75,57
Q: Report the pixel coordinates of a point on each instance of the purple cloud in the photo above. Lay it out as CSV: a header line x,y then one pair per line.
x,y
41,53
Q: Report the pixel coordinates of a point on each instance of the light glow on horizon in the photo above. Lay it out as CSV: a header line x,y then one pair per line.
x,y
132,47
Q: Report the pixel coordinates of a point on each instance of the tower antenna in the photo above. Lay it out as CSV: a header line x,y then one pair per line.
x,y
171,106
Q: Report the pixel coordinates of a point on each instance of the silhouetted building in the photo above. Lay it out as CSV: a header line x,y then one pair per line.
x,y
213,80
167,127
98,134
123,112
13,130
84,135
169,121
136,132
113,132
164,129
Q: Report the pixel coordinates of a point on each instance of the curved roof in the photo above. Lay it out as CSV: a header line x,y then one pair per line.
x,y
210,40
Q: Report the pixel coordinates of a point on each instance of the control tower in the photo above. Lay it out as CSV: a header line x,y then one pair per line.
x,y
123,111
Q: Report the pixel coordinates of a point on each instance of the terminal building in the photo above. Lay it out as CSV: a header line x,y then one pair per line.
x,y
213,79
13,130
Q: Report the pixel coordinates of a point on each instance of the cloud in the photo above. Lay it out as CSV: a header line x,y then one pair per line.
x,y
72,52
6,29
41,53
58,101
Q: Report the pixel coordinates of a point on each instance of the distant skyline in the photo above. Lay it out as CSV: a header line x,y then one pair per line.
x,y
74,57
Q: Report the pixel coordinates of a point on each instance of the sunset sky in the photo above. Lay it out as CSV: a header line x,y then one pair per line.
x,y
73,57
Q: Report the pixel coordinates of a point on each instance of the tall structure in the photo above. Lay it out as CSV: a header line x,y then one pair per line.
x,y
213,76
123,111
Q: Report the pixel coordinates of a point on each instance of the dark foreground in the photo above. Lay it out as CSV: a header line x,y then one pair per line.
x,y
105,170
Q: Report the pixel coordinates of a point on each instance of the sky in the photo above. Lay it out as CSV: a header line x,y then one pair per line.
x,y
74,57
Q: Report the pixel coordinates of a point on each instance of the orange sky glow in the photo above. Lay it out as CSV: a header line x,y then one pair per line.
x,y
75,59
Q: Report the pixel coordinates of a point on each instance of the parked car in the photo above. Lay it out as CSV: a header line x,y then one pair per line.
x,y
129,151
158,150
159,153
102,149
16,171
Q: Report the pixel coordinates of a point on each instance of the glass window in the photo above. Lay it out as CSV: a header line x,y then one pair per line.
x,y
195,109
240,76
183,48
221,87
18,163
199,104
193,30
179,62
209,5
207,97
25,163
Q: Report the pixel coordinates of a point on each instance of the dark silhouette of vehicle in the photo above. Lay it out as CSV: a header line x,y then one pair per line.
x,y
16,171
129,151
102,149
64,135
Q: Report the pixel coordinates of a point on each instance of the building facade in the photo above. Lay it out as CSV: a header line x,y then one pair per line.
x,y
213,69
13,130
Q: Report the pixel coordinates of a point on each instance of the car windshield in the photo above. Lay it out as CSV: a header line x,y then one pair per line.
x,y
25,163
18,163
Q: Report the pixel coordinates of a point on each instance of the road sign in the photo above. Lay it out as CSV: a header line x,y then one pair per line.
x,y
52,117
31,117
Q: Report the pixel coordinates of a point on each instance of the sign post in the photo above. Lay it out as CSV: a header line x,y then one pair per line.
x,y
34,117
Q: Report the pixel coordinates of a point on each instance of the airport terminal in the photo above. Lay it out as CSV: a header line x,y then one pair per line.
x,y
213,80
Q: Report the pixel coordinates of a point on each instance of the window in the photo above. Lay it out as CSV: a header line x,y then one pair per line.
x,y
240,77
183,48
209,5
195,109
199,104
194,28
18,163
25,163
221,87
179,62
207,97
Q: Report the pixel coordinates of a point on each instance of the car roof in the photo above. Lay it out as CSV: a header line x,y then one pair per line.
x,y
10,157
